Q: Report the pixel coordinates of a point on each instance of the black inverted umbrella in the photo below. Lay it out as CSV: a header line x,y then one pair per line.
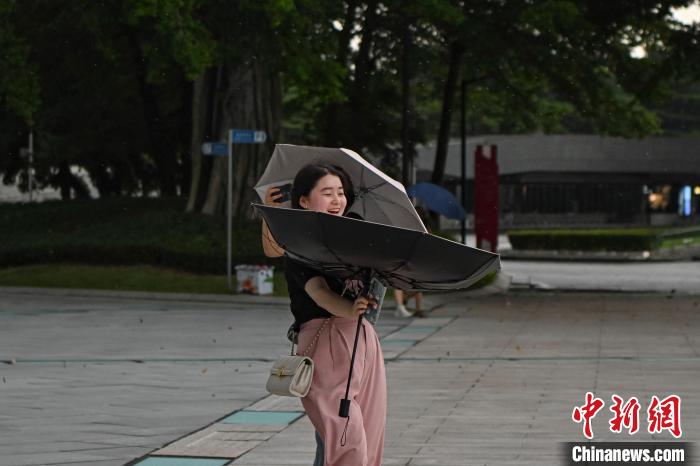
x,y
400,258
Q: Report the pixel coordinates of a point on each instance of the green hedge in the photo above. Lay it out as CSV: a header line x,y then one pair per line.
x,y
123,231
613,239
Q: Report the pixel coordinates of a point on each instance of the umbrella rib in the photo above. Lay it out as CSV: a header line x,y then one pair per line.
x,y
320,265
362,191
378,197
383,199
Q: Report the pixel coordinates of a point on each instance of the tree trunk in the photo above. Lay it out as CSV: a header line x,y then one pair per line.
x,y
218,132
267,106
249,98
363,65
159,146
329,121
456,52
198,121
406,110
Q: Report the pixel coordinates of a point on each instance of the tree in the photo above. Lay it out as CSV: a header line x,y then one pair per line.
x,y
128,90
544,61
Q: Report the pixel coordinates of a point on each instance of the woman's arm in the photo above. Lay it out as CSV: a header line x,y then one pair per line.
x,y
320,292
270,246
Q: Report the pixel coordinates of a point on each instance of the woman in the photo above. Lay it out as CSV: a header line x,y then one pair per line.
x,y
320,307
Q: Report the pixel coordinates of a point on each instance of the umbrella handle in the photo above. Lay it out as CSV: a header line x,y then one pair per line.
x,y
345,402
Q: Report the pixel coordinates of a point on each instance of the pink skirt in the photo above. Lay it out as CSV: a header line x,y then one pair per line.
x,y
364,437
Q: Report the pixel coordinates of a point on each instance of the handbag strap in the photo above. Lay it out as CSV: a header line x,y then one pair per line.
x,y
313,343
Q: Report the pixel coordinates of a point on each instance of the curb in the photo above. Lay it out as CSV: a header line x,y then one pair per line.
x,y
670,255
146,295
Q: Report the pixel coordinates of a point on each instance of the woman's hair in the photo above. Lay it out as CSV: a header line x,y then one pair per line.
x,y
309,175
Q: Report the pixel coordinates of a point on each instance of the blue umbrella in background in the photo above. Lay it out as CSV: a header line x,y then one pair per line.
x,y
437,199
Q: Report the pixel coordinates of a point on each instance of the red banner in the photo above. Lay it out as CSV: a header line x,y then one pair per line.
x,y
486,198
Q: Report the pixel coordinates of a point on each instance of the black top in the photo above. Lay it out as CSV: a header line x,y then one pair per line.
x,y
303,307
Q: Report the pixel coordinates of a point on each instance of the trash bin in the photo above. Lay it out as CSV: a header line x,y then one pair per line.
x,y
254,279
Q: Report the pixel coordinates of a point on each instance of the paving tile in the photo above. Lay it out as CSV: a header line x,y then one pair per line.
x,y
411,329
399,342
263,417
173,461
494,385
277,403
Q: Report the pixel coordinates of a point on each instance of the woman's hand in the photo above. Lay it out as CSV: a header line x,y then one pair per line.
x,y
360,306
272,196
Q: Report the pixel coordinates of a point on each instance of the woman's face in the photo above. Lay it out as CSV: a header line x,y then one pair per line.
x,y
327,196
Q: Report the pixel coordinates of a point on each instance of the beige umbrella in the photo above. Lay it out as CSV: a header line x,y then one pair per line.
x,y
378,198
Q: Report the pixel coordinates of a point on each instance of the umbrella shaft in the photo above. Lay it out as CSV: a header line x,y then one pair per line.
x,y
345,402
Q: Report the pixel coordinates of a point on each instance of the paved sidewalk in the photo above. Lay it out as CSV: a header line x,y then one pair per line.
x,y
492,380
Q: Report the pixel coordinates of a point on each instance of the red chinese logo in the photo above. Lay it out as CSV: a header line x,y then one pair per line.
x,y
626,415
665,415
587,412
661,414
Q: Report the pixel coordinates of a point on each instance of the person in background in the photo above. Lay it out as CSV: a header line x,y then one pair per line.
x,y
401,296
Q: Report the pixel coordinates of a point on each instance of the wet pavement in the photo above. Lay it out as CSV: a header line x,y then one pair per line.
x,y
491,380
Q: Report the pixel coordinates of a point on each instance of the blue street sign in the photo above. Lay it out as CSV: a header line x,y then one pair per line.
x,y
214,148
247,136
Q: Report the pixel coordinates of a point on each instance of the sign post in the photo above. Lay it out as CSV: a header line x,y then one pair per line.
x,y
229,209
463,147
233,136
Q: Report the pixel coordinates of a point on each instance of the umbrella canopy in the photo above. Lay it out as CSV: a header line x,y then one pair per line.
x,y
437,199
378,198
400,258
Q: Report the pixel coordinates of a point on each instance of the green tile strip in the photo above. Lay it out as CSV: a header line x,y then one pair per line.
x,y
399,342
263,417
172,461
412,329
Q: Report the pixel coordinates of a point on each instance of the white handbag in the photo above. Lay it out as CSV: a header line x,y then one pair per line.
x,y
292,375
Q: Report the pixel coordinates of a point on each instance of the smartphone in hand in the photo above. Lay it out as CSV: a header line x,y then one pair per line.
x,y
285,191
377,291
